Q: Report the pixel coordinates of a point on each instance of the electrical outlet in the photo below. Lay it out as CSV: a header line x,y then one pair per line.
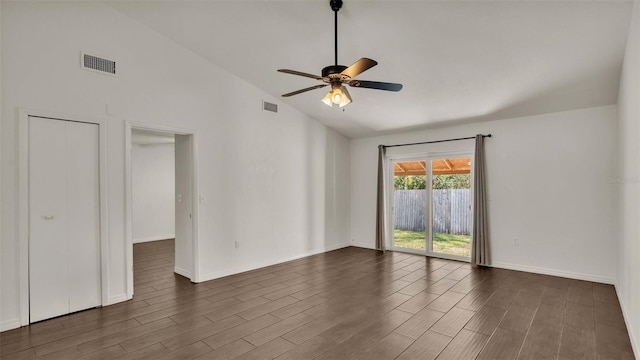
x,y
237,244
516,242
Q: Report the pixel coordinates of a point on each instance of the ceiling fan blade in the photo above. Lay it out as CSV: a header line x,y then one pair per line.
x,y
299,73
304,90
375,85
359,67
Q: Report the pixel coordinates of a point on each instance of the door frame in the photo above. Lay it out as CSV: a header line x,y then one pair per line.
x,y
129,126
391,202
23,202
426,156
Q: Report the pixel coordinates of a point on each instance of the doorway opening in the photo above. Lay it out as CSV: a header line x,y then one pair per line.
x,y
431,206
152,185
161,196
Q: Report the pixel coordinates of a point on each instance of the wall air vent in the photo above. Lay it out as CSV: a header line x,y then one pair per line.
x,y
94,63
267,106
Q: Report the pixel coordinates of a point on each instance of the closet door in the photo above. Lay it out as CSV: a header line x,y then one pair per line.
x,y
64,253
83,218
48,252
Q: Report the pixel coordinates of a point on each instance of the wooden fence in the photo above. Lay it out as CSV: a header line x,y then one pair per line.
x,y
451,210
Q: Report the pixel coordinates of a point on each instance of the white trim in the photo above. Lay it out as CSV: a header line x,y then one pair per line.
x,y
129,125
531,269
196,208
10,324
554,272
182,272
244,268
23,202
362,245
154,238
117,298
630,330
128,213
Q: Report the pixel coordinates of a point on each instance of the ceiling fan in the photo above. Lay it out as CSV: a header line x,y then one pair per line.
x,y
338,75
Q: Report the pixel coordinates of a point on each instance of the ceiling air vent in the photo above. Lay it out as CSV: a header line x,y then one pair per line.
x,y
94,63
269,107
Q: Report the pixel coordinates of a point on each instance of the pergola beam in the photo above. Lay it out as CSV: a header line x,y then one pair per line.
x,y
448,163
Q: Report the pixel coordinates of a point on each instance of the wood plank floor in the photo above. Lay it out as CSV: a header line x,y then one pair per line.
x,y
346,304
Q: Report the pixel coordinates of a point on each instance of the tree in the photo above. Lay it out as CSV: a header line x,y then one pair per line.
x,y
410,182
418,182
452,181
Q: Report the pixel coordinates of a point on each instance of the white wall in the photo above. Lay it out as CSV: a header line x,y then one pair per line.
x,y
152,192
2,248
269,179
628,183
548,184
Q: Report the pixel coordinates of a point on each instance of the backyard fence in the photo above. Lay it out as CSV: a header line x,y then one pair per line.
x,y
451,210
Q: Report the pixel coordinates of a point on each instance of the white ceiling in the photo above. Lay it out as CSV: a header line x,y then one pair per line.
x,y
459,61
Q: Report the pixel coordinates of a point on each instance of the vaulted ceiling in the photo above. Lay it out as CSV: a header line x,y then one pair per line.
x,y
459,61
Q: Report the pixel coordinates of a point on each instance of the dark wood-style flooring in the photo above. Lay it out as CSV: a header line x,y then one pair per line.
x,y
346,304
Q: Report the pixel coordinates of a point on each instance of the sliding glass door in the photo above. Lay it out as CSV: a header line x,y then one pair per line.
x,y
410,211
431,205
450,187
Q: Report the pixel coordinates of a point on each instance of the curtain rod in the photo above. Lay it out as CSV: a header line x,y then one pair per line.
x,y
435,141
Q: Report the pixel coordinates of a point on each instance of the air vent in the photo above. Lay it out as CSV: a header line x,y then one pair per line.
x,y
269,107
94,63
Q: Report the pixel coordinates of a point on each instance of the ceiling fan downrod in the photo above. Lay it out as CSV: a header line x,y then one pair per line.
x,y
335,6
336,69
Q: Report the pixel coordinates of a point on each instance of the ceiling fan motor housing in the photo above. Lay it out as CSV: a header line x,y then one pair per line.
x,y
333,71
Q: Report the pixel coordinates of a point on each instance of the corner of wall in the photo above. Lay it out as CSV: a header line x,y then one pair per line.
x,y
114,299
265,263
9,324
628,173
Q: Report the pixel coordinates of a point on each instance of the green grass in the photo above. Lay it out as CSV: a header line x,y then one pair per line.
x,y
442,243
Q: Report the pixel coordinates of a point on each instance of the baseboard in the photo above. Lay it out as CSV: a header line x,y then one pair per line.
x,y
10,324
362,245
532,269
635,347
182,272
241,269
117,298
553,272
154,238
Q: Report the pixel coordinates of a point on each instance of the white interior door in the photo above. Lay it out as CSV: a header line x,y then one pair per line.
x,y
83,222
184,205
48,253
64,251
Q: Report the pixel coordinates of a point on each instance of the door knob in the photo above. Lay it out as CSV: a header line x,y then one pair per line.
x,y
47,217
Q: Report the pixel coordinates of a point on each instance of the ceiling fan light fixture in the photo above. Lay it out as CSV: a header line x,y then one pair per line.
x,y
327,98
344,98
338,95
